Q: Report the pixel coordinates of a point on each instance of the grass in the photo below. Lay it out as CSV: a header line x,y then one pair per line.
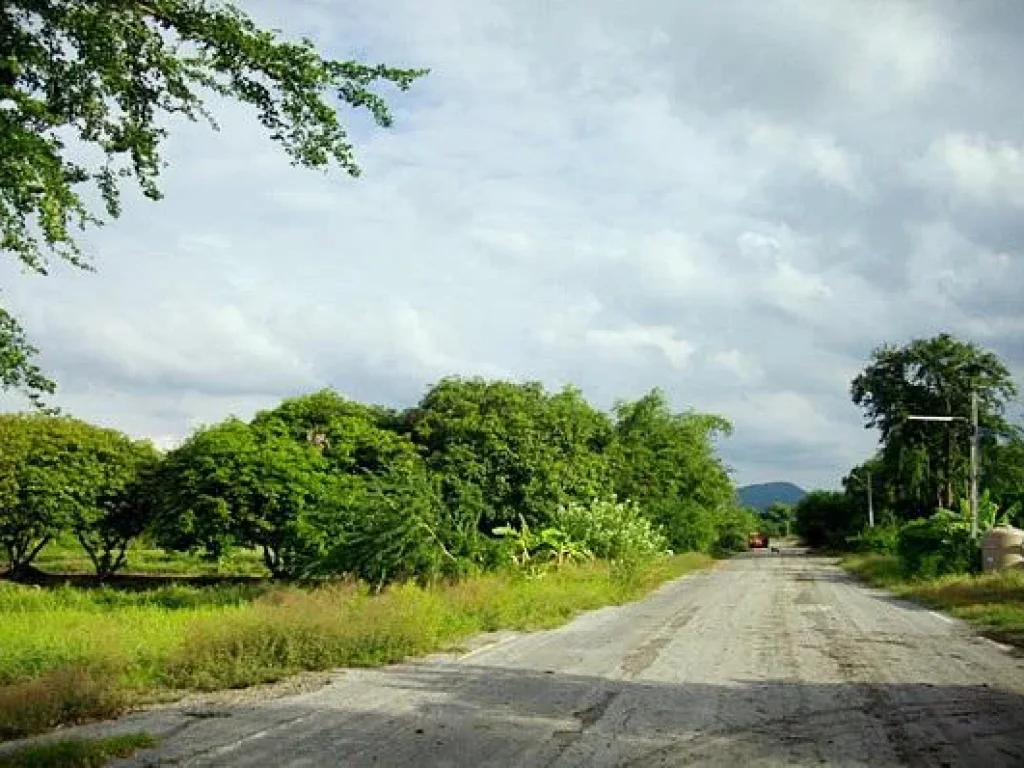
x,y
71,655
77,753
66,556
994,602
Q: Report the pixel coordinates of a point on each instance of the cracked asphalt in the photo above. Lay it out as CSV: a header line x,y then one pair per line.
x,y
765,660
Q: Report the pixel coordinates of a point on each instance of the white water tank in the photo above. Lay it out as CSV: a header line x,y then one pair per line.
x,y
1001,548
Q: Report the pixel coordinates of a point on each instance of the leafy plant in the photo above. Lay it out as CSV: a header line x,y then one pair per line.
x,y
938,545
536,551
611,529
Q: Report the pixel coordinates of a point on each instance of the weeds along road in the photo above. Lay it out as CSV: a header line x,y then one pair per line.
x,y
766,660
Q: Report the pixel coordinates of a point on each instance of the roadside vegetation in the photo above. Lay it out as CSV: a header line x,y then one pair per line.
x,y
72,655
325,532
921,545
77,753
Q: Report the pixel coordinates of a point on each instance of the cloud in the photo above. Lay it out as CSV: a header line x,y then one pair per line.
x,y
734,203
977,168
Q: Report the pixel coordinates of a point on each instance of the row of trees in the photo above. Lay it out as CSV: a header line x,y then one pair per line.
x,y
919,476
324,485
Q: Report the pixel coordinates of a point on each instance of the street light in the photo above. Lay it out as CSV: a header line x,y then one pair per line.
x,y
975,451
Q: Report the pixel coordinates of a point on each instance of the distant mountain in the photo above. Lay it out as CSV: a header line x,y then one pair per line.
x,y
763,495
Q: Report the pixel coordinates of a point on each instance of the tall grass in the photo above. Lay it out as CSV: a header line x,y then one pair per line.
x,y
77,753
70,654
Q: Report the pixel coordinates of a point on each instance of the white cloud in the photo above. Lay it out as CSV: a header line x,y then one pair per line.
x,y
629,344
709,199
977,167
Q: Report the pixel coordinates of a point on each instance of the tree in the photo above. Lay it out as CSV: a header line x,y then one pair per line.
x,y
930,377
233,484
827,519
121,508
668,464
352,437
1003,474
83,79
17,369
505,450
777,520
59,474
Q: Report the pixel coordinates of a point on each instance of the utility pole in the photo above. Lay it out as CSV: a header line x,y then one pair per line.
x,y
871,506
975,454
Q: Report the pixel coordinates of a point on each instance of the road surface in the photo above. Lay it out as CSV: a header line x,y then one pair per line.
x,y
765,660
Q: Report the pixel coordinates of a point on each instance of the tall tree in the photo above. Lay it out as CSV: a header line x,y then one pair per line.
x,y
667,463
933,377
85,90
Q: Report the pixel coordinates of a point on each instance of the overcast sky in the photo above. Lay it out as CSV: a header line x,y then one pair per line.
x,y
734,201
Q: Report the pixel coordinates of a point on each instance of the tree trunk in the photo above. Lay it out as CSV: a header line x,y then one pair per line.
x,y
21,558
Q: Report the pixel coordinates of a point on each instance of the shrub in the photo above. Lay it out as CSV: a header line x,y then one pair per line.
x,y
610,529
880,540
734,526
936,546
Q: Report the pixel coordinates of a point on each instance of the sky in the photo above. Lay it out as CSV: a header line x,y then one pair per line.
x,y
733,201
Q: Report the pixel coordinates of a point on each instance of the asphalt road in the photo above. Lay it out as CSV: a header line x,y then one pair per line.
x,y
766,660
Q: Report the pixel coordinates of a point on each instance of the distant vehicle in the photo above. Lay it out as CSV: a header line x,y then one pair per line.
x,y
757,541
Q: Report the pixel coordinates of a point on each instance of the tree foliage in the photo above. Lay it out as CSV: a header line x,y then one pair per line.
x,y
505,450
480,474
777,520
666,462
924,464
61,474
827,519
234,484
86,87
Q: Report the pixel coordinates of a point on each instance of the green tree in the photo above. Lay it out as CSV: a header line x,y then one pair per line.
x,y
667,463
505,450
60,474
777,520
121,507
86,87
391,528
927,462
827,519
233,484
1002,468
352,437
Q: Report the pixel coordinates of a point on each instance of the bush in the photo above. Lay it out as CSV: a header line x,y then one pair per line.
x,y
611,530
937,546
734,527
880,540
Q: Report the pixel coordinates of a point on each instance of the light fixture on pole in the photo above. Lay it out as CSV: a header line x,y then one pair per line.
x,y
975,453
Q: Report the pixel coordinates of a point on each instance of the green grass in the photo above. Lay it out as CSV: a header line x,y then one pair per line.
x,y
71,655
994,602
66,556
77,753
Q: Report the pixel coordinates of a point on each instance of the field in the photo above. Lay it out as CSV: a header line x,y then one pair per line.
x,y
992,602
73,654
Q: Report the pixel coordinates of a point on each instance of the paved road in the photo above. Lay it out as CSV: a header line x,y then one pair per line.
x,y
766,660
